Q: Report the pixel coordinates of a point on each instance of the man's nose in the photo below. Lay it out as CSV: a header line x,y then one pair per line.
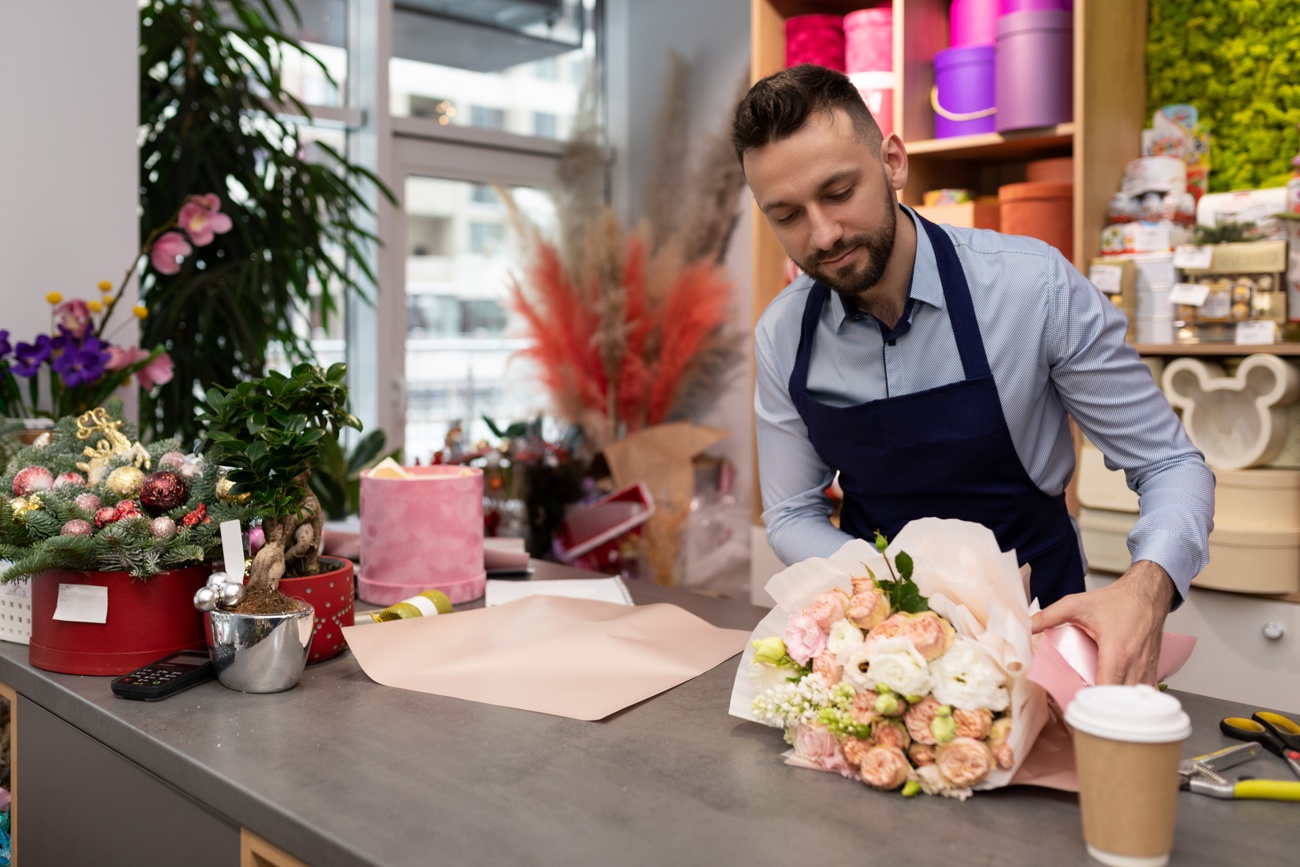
x,y
826,230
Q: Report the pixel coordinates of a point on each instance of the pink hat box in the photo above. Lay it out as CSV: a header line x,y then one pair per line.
x,y
815,39
422,533
591,536
869,40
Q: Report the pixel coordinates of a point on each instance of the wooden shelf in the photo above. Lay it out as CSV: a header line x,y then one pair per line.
x,y
1019,145
1222,349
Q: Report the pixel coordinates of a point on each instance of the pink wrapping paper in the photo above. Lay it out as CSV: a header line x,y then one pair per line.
x,y
575,658
422,533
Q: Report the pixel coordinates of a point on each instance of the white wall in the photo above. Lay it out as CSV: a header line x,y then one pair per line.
x,y
713,37
68,174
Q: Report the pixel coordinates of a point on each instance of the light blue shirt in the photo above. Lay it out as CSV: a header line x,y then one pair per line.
x,y
1055,344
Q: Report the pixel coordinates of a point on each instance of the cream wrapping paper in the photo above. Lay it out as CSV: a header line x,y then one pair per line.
x,y
577,658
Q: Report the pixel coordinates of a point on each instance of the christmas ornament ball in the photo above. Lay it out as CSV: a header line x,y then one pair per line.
x,y
127,509
223,492
175,460
162,527
88,502
126,481
77,527
70,479
105,516
31,479
232,594
163,491
205,599
216,579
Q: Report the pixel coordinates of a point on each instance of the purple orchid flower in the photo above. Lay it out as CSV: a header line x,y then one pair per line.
x,y
82,363
5,348
30,356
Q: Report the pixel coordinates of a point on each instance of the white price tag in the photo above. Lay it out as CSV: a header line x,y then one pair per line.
x,y
82,603
232,549
1107,278
1191,294
1256,332
1191,257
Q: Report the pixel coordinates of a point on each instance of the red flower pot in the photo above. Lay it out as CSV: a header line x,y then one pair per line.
x,y
332,594
147,619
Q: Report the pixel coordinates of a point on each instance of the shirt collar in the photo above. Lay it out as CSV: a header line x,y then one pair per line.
x,y
925,287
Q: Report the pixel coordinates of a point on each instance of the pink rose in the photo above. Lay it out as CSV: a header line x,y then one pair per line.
x,y
890,627
202,220
168,251
863,709
804,639
884,767
918,719
1003,754
868,608
73,316
921,754
828,667
963,761
929,633
853,750
814,743
862,584
828,608
890,733
972,723
156,372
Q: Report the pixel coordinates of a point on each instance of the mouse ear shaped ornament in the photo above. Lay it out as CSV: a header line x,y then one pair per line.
x,y
1238,421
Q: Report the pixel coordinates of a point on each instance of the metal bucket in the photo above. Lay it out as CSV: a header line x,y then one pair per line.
x,y
259,652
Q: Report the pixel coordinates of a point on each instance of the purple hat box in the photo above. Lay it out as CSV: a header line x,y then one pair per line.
x,y
964,92
1035,69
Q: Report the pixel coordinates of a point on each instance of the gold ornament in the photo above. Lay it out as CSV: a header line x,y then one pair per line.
x,y
114,445
23,505
223,492
126,481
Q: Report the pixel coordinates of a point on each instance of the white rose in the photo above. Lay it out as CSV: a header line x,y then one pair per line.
x,y
844,638
764,675
965,677
857,672
897,665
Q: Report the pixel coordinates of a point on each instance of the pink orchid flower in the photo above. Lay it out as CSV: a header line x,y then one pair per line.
x,y
156,372
168,251
202,219
73,317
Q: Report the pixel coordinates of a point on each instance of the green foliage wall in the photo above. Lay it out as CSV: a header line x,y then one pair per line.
x,y
1238,62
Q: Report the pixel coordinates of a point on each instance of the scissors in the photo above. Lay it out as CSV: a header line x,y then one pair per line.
x,y
1276,733
1202,775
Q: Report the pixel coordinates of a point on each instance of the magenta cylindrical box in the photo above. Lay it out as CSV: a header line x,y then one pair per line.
x,y
1009,7
1035,69
815,39
973,22
869,40
964,92
422,533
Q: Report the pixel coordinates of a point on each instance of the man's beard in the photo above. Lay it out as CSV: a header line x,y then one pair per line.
x,y
878,247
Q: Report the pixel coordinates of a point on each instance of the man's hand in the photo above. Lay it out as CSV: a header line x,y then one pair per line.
x,y
1126,620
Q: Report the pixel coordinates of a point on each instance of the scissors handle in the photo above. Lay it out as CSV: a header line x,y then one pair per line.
x,y
1283,728
1250,730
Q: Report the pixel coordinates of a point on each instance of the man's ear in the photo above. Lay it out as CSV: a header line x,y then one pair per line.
x,y
893,157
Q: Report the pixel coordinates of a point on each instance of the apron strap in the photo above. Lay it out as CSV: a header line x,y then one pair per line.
x,y
961,310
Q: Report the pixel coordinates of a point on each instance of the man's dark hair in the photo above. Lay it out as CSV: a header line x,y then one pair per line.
x,y
779,105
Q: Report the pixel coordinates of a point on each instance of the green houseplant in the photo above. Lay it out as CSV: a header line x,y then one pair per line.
x,y
212,100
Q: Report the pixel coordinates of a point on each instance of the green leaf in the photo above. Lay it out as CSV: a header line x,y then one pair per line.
x,y
904,563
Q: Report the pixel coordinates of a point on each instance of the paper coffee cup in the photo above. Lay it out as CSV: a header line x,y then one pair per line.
x,y
1127,745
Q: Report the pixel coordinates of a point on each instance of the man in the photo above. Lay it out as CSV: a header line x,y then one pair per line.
x,y
935,369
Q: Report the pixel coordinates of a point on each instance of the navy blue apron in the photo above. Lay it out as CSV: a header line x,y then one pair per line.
x,y
941,453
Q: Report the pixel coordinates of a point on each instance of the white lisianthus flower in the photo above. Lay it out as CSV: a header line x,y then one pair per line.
x,y
857,670
844,638
965,677
896,664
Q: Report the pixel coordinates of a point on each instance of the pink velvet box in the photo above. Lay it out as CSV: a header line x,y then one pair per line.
x,y
423,533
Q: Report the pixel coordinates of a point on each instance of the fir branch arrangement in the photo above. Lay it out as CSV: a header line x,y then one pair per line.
x,y
88,496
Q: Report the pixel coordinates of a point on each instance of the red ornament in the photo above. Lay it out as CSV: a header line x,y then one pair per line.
x,y
163,491
70,479
105,516
28,480
198,516
87,502
127,509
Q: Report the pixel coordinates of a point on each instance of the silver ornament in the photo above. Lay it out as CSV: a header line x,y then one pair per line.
x,y
232,594
162,527
216,579
205,599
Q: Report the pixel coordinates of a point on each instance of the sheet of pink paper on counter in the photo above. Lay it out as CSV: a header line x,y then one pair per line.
x,y
577,658
1064,662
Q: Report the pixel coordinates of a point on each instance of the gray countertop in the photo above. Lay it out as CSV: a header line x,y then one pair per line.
x,y
342,771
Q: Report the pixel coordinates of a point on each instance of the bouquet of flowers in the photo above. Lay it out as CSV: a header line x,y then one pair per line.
x,y
902,665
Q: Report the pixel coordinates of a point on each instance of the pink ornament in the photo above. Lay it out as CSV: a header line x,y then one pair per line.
x,y
28,480
175,460
77,527
87,502
70,479
162,527
105,516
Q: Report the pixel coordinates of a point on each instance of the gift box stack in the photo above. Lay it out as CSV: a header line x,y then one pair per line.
x,y
860,44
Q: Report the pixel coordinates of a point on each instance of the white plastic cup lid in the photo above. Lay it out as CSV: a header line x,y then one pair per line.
x,y
1138,714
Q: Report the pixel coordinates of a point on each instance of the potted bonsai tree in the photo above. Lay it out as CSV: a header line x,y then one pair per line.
x,y
267,434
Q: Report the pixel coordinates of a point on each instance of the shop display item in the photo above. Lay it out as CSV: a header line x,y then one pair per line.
x,y
1043,211
964,97
1245,283
869,40
815,39
1034,79
973,22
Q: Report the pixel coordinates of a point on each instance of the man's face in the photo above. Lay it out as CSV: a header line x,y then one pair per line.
x,y
827,196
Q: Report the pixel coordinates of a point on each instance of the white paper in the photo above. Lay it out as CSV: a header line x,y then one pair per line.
x,y
1191,294
1107,278
82,603
1192,257
1255,333
599,589
232,549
